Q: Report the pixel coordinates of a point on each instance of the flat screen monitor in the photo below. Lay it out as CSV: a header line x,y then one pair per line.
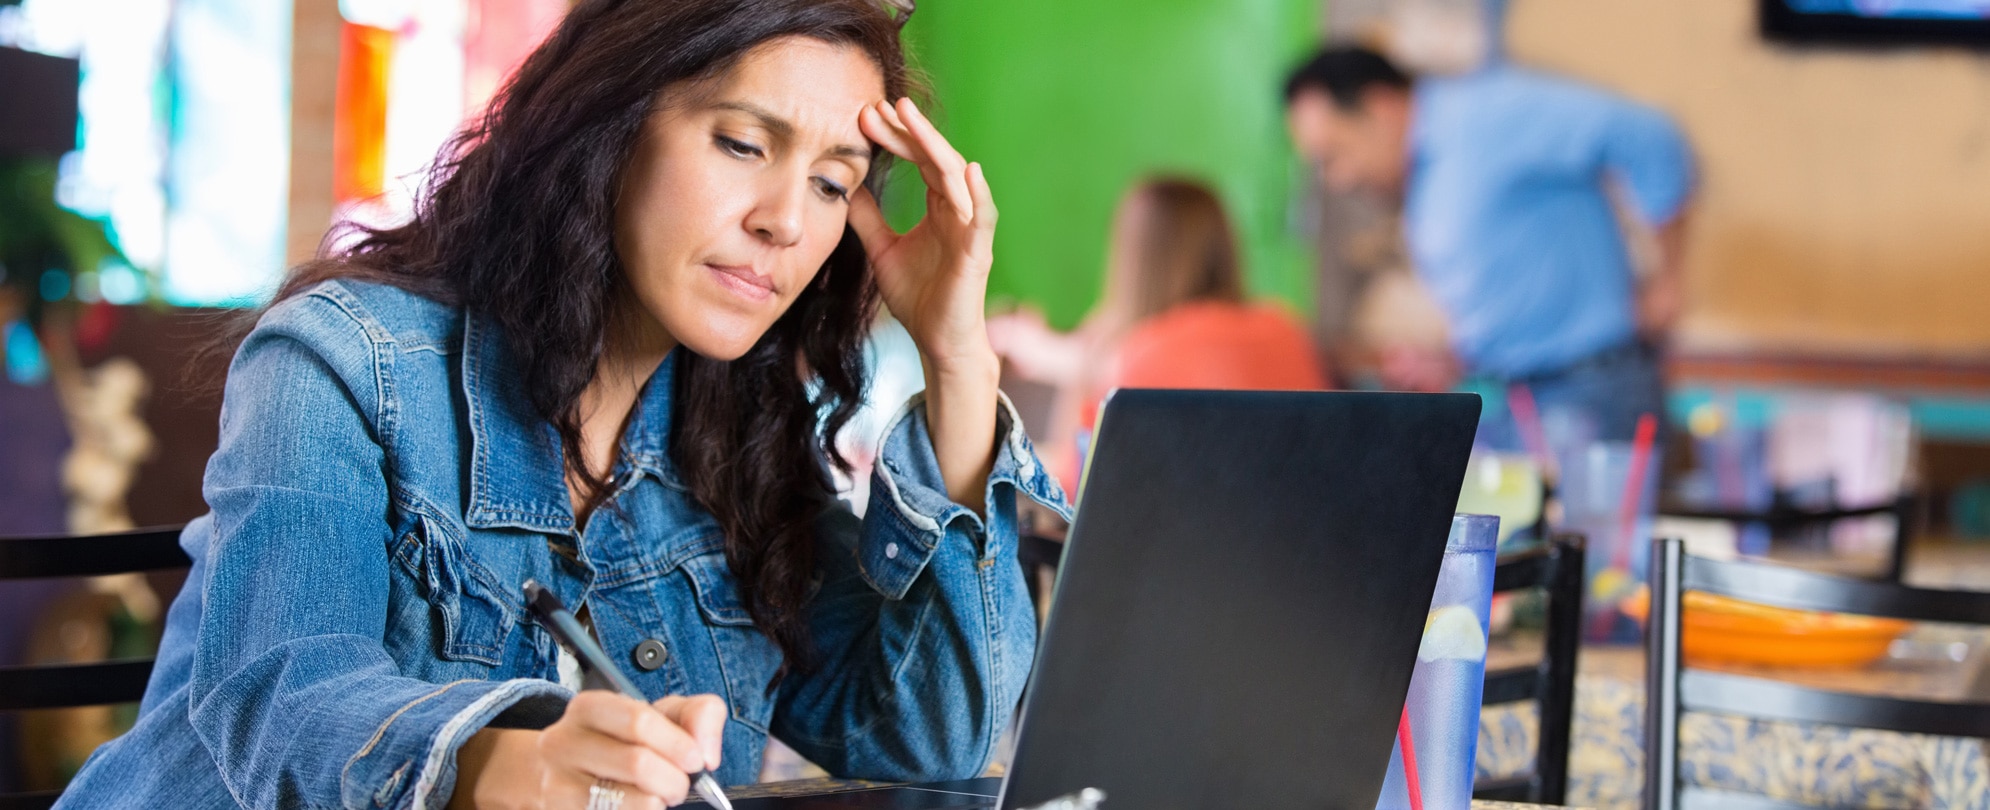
x,y
1878,22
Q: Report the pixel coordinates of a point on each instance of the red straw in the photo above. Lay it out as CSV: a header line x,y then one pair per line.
x,y
1520,400
1634,488
1408,742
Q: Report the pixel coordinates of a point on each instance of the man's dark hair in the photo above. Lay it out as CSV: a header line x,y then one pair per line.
x,y
1344,73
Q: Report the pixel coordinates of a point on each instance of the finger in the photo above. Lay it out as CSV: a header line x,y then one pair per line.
x,y
941,170
888,112
588,755
635,722
888,133
575,789
704,716
985,214
867,219
935,145
882,124
942,155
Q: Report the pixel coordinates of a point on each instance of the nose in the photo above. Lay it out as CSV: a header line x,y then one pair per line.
x,y
777,215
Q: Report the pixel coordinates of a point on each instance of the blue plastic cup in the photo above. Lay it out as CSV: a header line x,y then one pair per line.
x,y
1440,726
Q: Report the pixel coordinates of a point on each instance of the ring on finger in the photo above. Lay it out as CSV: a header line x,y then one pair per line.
x,y
604,795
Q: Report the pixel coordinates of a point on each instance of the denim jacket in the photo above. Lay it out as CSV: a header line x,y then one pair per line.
x,y
383,488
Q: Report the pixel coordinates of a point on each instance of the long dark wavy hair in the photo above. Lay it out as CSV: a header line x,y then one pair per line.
x,y
517,226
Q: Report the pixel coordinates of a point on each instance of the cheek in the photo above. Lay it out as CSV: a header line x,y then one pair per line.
x,y
825,232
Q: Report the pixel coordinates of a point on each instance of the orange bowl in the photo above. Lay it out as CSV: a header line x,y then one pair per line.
x,y
1720,630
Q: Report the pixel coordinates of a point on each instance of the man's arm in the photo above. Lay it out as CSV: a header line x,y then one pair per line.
x,y
1662,292
1651,160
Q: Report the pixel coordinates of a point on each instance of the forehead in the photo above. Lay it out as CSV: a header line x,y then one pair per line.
x,y
815,85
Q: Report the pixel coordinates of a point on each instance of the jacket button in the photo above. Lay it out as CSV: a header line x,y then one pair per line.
x,y
650,654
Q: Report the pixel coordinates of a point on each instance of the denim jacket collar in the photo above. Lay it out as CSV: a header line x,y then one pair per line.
x,y
516,475
646,444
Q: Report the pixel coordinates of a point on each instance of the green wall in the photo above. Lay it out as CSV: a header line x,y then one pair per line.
x,y
1067,102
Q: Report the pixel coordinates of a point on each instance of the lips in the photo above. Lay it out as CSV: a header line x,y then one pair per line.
x,y
743,281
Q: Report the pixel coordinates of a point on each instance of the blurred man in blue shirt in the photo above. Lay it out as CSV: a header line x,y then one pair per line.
x,y
1510,183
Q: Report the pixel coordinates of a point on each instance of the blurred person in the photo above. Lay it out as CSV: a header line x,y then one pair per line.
x,y
1173,316
607,354
1509,182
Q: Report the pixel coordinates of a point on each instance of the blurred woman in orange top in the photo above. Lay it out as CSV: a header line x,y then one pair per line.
x,y
1173,316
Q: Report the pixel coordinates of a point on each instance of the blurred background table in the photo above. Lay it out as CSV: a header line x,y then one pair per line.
x,y
1820,765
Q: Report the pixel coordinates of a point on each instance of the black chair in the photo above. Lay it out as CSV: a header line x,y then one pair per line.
x,y
1783,516
1039,555
1675,690
1555,568
59,686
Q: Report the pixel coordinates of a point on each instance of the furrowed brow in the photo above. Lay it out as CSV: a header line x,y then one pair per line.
x,y
781,127
785,130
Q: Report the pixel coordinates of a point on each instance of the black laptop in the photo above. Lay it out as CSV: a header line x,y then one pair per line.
x,y
1239,605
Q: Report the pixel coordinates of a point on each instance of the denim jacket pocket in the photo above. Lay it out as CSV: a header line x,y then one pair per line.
x,y
746,657
463,595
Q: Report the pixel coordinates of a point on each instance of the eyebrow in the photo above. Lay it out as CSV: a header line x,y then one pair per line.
x,y
783,129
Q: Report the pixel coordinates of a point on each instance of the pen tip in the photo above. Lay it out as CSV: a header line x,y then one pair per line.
x,y
708,789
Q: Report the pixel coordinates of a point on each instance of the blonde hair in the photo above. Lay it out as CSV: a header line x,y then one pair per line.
x,y
1171,245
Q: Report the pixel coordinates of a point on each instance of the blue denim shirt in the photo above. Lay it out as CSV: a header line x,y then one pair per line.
x,y
381,491
1509,213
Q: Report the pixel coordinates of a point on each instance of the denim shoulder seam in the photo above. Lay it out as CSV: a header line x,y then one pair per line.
x,y
382,346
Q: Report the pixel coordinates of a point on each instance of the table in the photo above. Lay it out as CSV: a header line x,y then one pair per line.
x,y
812,787
1819,765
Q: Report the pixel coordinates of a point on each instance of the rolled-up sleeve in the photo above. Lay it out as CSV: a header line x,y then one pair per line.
x,y
292,691
924,630
1648,154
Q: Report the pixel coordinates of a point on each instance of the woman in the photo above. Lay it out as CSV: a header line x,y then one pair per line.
x,y
603,355
1173,316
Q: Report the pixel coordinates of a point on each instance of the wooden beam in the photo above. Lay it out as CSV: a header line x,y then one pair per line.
x,y
314,68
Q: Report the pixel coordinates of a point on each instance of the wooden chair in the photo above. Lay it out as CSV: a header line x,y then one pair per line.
x,y
1675,690
58,686
1557,569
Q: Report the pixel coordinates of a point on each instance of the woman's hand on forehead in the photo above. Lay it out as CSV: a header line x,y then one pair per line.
x,y
934,278
904,131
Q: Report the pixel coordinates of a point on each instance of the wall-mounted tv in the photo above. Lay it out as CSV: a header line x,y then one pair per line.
x,y
1878,22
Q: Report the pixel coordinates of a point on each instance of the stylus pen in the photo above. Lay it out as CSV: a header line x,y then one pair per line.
x,y
579,643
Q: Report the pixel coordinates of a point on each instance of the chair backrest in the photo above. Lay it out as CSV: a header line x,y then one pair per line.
x,y
1674,690
1782,516
1556,569
56,686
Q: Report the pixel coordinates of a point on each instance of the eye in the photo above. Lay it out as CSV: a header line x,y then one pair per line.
x,y
830,189
736,148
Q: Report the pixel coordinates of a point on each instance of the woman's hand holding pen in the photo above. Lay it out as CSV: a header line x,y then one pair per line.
x,y
646,750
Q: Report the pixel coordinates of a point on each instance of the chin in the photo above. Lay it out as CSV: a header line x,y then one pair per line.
x,y
725,340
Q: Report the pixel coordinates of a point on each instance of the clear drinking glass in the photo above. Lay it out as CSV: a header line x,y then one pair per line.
x,y
1592,492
